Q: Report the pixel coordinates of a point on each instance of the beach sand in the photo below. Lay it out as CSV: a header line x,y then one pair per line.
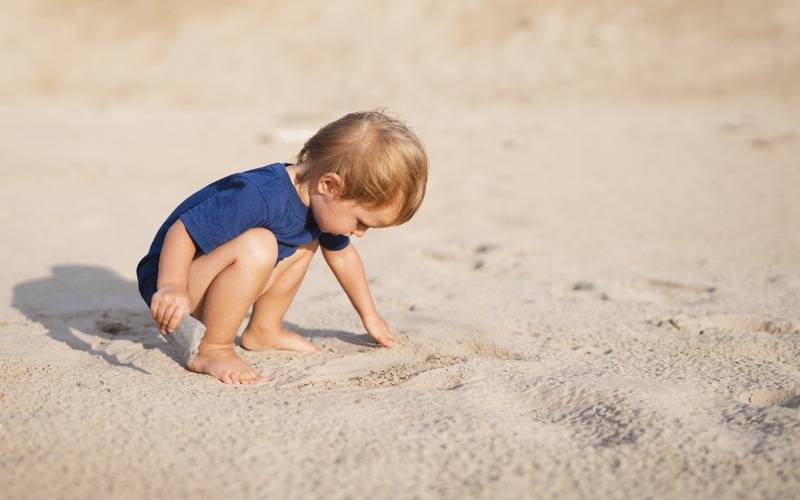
x,y
600,297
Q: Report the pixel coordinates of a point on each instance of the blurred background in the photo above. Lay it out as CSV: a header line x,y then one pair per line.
x,y
536,114
308,55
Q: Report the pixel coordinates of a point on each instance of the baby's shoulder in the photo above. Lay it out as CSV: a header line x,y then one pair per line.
x,y
269,176
272,182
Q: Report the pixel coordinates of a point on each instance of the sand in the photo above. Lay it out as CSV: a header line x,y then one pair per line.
x,y
600,297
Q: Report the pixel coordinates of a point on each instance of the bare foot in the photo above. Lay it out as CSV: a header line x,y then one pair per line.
x,y
219,361
281,338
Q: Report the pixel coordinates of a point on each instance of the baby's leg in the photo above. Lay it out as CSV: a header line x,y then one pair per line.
x,y
222,286
265,329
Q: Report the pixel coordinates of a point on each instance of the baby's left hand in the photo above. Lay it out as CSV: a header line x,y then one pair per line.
x,y
379,329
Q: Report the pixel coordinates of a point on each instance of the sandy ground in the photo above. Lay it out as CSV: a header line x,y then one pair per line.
x,y
599,298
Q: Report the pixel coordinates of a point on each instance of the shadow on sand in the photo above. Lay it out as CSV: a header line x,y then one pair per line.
x,y
363,340
94,301
103,306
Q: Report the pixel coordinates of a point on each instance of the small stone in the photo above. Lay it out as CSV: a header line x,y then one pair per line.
x,y
583,286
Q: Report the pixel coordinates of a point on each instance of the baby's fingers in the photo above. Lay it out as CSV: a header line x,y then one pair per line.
x,y
165,318
175,319
158,311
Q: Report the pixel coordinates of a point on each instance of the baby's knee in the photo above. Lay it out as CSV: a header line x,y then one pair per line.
x,y
257,248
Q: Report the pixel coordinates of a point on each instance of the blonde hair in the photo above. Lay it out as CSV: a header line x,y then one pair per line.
x,y
379,158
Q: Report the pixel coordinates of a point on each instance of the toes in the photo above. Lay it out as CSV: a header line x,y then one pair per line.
x,y
247,377
231,370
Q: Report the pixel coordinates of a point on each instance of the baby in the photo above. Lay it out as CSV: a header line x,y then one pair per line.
x,y
247,239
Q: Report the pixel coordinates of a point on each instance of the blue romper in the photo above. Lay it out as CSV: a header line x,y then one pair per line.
x,y
262,197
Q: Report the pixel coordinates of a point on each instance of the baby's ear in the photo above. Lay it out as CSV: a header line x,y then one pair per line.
x,y
331,184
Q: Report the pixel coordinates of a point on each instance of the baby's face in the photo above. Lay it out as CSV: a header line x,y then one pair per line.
x,y
349,217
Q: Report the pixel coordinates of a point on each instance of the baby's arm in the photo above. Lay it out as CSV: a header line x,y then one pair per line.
x,y
171,302
348,268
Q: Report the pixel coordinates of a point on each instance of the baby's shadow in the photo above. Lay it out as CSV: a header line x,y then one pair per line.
x,y
362,340
88,307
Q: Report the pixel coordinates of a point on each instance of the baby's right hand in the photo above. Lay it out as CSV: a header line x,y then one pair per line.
x,y
169,305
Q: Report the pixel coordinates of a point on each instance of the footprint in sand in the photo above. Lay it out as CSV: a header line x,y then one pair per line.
x,y
339,373
680,292
428,367
771,397
729,322
402,372
588,287
644,290
474,256
448,377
